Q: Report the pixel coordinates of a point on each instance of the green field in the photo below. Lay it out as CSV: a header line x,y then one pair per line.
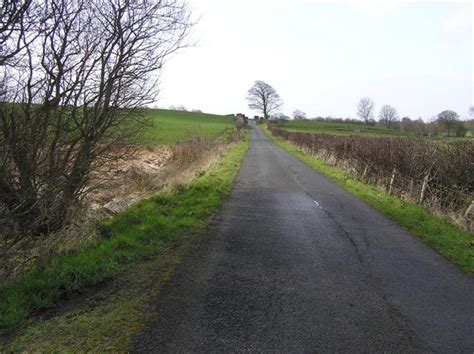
x,y
312,126
169,127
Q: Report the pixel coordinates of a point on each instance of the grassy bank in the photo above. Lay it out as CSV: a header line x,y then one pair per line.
x,y
169,126
133,243
450,240
153,166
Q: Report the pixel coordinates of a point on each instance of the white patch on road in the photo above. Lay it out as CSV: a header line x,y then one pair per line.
x,y
318,205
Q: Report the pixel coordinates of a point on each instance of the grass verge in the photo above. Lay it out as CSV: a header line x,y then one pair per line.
x,y
450,240
148,230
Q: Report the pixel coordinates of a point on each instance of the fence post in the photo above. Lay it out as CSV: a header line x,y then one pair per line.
x,y
423,188
469,211
390,187
365,171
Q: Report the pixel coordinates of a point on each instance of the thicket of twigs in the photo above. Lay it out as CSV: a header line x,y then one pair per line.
x,y
437,174
74,77
189,150
111,195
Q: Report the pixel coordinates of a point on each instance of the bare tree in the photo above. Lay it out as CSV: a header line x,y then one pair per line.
x,y
406,124
20,25
75,95
297,114
365,109
281,116
12,27
388,116
471,111
262,97
448,120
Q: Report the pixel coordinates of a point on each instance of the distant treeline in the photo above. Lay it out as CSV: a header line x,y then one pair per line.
x,y
436,127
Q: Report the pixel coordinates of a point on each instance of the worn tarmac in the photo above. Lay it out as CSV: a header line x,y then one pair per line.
x,y
294,263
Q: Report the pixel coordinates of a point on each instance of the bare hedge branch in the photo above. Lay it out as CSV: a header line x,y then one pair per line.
x,y
77,91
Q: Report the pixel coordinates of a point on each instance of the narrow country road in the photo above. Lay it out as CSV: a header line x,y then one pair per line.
x,y
293,263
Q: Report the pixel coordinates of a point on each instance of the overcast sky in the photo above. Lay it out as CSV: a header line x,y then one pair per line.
x,y
322,57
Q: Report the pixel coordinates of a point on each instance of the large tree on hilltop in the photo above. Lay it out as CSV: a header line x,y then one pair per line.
x,y
263,97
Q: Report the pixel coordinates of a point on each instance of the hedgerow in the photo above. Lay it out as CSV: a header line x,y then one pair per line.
x,y
436,174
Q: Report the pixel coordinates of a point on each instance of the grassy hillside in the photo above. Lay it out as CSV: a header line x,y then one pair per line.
x,y
309,126
172,126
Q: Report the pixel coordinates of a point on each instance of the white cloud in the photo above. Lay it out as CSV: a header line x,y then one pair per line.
x,y
323,57
374,7
459,22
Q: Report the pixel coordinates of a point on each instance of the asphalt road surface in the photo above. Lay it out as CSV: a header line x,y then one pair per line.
x,y
293,263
